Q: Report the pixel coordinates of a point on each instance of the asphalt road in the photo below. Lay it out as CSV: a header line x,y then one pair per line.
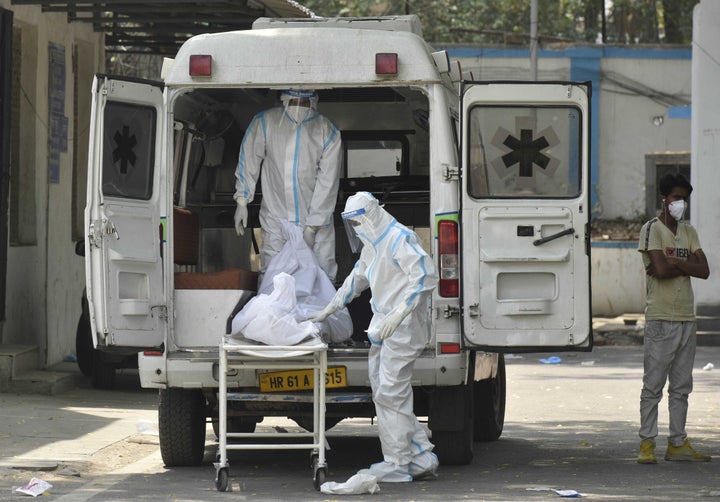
x,y
569,426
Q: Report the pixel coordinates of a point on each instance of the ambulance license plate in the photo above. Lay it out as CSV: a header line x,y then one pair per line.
x,y
284,381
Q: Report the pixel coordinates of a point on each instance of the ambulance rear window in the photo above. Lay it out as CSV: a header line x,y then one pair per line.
x,y
128,156
524,152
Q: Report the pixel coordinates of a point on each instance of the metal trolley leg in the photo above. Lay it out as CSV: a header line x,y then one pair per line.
x,y
222,467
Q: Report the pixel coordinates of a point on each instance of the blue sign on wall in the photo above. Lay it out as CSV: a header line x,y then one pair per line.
x,y
58,122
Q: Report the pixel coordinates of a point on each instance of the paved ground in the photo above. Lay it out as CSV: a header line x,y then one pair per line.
x,y
77,435
566,425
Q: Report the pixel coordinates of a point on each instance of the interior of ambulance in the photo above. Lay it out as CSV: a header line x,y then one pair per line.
x,y
385,150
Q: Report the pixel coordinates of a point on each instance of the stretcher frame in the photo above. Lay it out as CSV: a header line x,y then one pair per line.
x,y
234,354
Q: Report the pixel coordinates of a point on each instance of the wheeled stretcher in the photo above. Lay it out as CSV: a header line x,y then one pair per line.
x,y
245,354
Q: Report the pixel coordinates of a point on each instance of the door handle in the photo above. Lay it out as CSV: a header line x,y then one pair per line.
x,y
552,237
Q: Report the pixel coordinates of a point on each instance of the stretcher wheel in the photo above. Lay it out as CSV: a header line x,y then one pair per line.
x,y
319,477
221,483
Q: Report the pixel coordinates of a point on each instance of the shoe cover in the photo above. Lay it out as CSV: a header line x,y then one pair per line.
x,y
386,472
356,485
424,464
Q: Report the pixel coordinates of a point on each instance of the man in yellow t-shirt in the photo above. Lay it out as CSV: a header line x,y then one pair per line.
x,y
671,254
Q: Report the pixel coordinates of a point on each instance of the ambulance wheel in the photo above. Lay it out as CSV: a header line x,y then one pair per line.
x,y
244,425
489,402
221,483
103,371
181,424
84,349
455,446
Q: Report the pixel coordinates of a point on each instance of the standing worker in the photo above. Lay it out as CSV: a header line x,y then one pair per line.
x,y
401,277
671,254
299,152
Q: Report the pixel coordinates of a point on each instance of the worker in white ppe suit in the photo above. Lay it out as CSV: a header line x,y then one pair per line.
x,y
401,277
299,152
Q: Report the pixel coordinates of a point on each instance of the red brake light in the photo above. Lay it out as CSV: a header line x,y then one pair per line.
x,y
449,348
200,65
448,256
152,353
386,63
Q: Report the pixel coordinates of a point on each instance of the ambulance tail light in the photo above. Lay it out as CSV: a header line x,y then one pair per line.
x,y
448,251
200,65
386,63
449,348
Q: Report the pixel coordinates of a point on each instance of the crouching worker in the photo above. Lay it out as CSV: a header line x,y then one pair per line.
x,y
401,277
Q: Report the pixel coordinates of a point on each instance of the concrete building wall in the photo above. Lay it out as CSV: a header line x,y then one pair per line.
x,y
45,278
706,148
634,121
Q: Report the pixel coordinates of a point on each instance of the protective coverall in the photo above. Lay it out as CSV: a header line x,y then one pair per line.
x,y
401,277
300,158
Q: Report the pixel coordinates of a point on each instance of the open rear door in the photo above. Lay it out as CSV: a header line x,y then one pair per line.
x,y
525,216
123,246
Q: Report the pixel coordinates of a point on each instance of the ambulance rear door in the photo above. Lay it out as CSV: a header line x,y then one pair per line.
x,y
123,244
524,221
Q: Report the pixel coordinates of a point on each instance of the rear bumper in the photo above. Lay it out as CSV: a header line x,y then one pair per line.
x,y
195,370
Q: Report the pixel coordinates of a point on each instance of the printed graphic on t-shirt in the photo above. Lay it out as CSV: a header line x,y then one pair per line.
x,y
671,252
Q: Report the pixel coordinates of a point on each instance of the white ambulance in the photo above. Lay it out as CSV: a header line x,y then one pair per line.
x,y
492,175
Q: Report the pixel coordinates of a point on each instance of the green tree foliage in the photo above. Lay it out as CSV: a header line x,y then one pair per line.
x,y
508,21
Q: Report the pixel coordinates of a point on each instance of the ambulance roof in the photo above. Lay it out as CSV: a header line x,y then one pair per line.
x,y
311,54
409,23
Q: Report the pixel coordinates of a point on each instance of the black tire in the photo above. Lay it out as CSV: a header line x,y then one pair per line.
x,y
319,478
306,422
181,424
84,349
455,447
244,425
489,401
103,372
221,483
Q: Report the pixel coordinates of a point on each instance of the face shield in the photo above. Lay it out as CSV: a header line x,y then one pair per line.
x,y
358,218
350,223
299,105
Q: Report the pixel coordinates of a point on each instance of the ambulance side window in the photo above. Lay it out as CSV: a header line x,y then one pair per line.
x,y
128,154
375,154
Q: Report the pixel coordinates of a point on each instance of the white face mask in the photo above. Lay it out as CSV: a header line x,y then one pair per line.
x,y
298,113
677,209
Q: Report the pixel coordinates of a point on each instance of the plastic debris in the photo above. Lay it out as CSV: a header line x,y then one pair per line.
x,y
562,493
568,493
71,358
35,487
355,485
551,360
587,363
148,427
709,366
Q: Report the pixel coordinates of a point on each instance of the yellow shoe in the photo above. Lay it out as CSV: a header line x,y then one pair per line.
x,y
685,453
647,452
